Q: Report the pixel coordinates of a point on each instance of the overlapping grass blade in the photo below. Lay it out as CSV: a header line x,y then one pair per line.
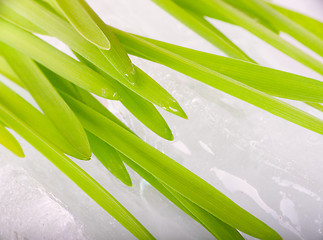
x,y
36,120
11,16
203,10
83,22
316,106
116,167
219,229
6,71
110,158
240,18
80,15
274,82
76,174
56,26
55,60
80,94
117,55
143,110
48,100
216,227
211,223
170,173
311,24
283,23
107,155
217,80
203,28
10,142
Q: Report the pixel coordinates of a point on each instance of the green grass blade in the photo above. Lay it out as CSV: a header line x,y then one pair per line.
x,y
80,94
116,55
311,24
6,71
215,226
170,172
145,86
272,81
83,23
55,60
48,100
317,106
252,25
11,16
36,120
219,81
10,142
77,175
283,23
203,28
89,25
143,110
203,10
110,158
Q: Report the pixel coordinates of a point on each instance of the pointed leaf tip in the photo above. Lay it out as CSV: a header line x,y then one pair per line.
x,y
83,23
10,142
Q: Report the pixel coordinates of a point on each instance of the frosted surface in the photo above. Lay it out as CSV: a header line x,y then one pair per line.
x,y
267,165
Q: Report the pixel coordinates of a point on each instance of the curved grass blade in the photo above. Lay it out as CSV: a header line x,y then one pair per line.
x,y
145,86
143,110
240,18
216,227
203,28
219,81
48,100
11,16
83,23
80,94
10,142
6,71
274,82
201,9
283,23
110,158
77,175
55,60
116,55
170,172
311,24
36,120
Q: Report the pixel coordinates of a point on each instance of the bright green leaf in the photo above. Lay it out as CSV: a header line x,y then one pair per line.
x,y
203,28
55,60
76,174
143,110
36,120
10,142
272,81
48,99
110,158
217,80
83,22
170,172
56,26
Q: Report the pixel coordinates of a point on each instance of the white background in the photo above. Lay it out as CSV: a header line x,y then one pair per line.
x,y
267,165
